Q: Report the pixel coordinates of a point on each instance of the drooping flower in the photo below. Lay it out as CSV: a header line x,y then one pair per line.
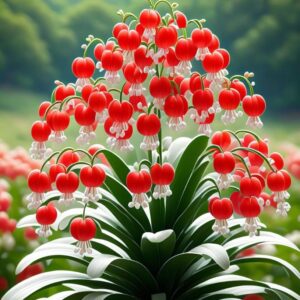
x,y
83,230
45,215
162,176
221,210
139,183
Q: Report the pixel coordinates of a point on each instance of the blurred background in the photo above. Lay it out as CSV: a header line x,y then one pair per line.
x,y
40,38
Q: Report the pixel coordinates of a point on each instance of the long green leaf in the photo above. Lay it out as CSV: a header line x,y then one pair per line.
x,y
157,248
174,268
38,282
123,196
136,272
52,250
217,283
267,259
182,174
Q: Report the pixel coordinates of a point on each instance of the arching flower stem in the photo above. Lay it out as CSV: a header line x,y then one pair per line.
x,y
240,77
243,162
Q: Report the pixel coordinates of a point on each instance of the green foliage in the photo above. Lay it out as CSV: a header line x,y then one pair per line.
x,y
130,261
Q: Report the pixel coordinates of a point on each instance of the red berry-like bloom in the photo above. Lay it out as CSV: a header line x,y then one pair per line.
x,y
63,91
222,139
229,100
185,51
83,68
159,88
250,186
254,106
40,131
83,230
67,184
139,183
142,59
118,27
166,37
278,161
112,62
46,216
250,208
38,181
224,163
54,170
92,176
176,107
201,39
58,122
240,87
69,157
98,103
149,126
181,19
260,146
213,64
221,210
279,182
162,176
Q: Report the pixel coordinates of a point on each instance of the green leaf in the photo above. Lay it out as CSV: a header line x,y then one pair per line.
x,y
134,271
215,252
49,251
174,268
217,283
176,149
291,294
239,244
183,171
33,284
123,196
267,259
157,248
192,185
118,165
238,291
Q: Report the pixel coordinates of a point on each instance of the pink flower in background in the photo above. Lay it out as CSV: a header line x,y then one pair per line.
x,y
293,159
15,163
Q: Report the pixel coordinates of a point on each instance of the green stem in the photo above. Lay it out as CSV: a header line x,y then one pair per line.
x,y
98,80
84,152
95,155
90,43
240,77
150,107
129,15
235,136
243,162
174,84
144,162
160,141
196,22
48,159
256,152
76,164
66,100
84,209
214,183
250,132
150,156
49,108
169,4
62,152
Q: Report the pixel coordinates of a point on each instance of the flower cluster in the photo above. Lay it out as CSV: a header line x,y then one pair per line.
x,y
15,163
239,164
7,224
152,57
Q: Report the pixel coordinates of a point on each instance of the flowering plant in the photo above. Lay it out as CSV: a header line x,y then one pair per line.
x,y
171,247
